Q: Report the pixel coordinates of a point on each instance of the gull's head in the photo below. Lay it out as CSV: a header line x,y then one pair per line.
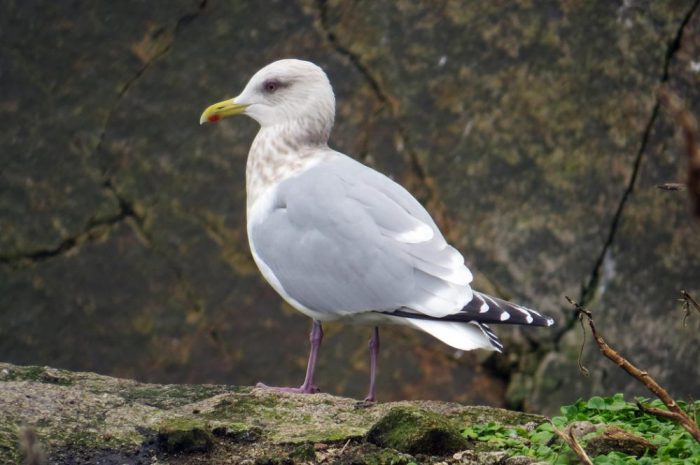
x,y
286,91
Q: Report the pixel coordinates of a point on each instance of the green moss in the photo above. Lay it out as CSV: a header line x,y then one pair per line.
x,y
30,373
330,435
8,443
415,431
38,374
90,436
244,406
184,435
237,432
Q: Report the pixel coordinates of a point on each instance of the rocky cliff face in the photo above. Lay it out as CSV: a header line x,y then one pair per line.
x,y
530,130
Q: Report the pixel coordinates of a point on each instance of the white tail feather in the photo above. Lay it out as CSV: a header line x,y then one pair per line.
x,y
464,336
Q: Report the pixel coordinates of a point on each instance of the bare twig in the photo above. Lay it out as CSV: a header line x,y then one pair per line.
x,y
688,303
689,127
671,186
675,412
584,371
659,412
344,447
570,439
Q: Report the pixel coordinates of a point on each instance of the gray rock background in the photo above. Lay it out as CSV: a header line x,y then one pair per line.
x,y
529,129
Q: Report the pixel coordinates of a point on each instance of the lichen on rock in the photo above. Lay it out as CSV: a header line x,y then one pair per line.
x,y
88,418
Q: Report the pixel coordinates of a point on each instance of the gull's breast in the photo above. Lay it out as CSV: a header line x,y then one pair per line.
x,y
271,160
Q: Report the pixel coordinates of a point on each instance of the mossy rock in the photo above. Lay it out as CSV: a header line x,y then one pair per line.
x,y
184,435
36,373
237,432
416,431
97,419
615,439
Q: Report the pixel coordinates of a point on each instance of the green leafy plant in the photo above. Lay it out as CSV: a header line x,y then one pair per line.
x,y
675,445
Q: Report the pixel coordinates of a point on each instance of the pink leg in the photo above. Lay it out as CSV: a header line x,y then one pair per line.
x,y
308,387
373,353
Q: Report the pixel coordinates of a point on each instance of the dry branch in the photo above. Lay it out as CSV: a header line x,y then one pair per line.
x,y
675,412
671,186
689,127
569,438
688,303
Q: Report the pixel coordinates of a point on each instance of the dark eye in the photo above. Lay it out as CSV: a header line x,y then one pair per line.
x,y
271,86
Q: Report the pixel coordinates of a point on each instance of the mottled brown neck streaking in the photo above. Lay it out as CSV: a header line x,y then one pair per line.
x,y
282,150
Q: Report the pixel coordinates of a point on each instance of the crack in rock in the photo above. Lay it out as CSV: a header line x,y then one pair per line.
x,y
322,7
94,229
124,204
181,22
387,101
125,207
588,291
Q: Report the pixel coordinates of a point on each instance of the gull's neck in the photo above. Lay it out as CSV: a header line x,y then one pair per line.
x,y
280,151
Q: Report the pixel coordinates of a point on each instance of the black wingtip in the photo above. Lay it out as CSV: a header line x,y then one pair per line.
x,y
487,309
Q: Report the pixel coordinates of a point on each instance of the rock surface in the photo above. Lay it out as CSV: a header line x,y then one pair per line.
x,y
84,418
529,129
614,439
417,431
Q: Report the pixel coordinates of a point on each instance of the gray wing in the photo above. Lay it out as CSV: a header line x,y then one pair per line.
x,y
341,238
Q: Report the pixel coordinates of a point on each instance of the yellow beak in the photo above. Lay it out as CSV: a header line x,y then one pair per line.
x,y
222,110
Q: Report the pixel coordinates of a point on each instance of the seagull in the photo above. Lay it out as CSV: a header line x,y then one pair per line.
x,y
340,241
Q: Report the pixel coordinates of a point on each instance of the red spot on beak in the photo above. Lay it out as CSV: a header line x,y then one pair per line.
x,y
214,118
